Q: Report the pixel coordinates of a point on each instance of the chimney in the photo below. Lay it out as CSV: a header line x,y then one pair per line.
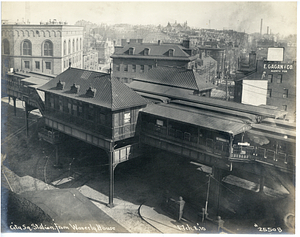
x,y
140,41
123,42
186,43
252,59
267,30
132,41
261,24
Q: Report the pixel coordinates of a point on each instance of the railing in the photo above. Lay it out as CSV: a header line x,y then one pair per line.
x,y
251,153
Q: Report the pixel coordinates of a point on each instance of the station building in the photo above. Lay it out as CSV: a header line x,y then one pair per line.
x,y
46,48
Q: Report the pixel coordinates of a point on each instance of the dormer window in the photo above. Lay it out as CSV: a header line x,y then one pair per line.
x,y
171,52
91,92
75,88
131,51
146,51
60,85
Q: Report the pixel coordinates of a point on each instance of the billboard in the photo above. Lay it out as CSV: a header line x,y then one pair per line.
x,y
275,54
255,92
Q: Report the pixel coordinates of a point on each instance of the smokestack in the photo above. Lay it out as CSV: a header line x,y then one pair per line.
x,y
261,24
267,30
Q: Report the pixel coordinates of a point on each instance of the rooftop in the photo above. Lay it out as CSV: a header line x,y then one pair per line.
x,y
103,90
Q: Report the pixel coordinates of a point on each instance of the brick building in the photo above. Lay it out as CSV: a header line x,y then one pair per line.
x,y
46,48
273,81
136,58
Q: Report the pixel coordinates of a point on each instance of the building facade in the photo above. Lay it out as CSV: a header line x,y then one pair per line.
x,y
90,60
273,81
46,48
137,58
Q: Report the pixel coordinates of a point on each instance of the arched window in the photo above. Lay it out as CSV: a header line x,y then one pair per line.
x,y
77,45
69,47
73,46
48,48
65,47
6,46
26,46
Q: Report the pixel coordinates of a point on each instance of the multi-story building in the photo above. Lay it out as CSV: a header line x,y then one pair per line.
x,y
270,82
90,60
105,49
136,58
46,48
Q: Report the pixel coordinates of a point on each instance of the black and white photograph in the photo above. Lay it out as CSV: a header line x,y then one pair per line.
x,y
148,117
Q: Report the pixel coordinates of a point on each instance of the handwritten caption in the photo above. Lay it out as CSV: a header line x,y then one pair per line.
x,y
187,227
268,229
58,228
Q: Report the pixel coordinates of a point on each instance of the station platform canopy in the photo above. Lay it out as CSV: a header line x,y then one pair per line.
x,y
209,121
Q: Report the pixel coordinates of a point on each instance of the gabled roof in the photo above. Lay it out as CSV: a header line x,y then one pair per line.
x,y
176,77
110,93
155,50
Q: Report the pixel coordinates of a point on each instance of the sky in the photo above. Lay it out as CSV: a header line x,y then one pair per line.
x,y
281,17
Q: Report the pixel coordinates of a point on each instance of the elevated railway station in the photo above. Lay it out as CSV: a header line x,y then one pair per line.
x,y
121,119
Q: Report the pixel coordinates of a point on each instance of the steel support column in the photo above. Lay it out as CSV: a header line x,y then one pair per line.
x,y
261,180
27,111
215,191
112,167
15,106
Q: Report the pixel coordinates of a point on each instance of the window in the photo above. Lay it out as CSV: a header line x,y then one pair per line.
x,y
48,48
37,64
171,52
73,46
60,103
279,79
269,93
142,68
26,47
146,51
284,107
26,64
126,117
6,46
48,65
69,47
270,78
126,68
102,118
80,44
74,109
118,67
124,80
149,67
131,51
133,68
51,101
77,45
285,93
65,47
90,114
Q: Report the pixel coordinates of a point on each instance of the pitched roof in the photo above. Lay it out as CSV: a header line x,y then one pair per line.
x,y
110,93
155,50
176,77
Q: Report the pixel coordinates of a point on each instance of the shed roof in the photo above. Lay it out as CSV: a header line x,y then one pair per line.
x,y
232,126
110,93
